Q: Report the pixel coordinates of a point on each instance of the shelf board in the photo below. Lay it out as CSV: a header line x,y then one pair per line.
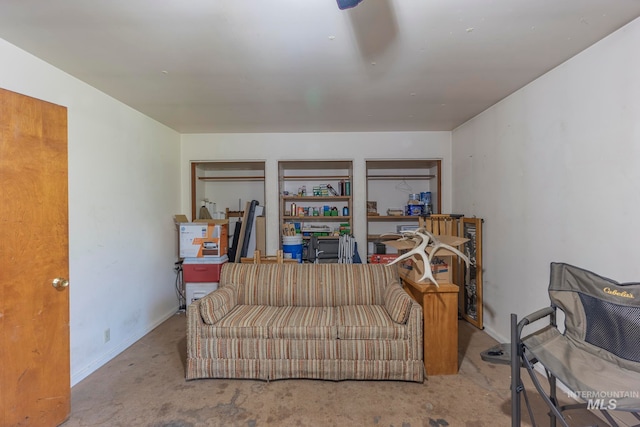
x,y
388,236
314,177
387,165
400,177
317,218
314,165
315,198
231,178
393,218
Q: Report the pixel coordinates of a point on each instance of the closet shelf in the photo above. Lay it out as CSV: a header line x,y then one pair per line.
x,y
231,178
393,217
314,177
400,177
316,198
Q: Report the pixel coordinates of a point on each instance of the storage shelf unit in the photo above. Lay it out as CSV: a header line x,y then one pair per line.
x,y
316,198
229,184
295,174
392,218
317,218
389,183
399,177
230,178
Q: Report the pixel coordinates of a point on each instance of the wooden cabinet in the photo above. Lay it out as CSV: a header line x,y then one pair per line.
x,y
389,186
440,328
305,197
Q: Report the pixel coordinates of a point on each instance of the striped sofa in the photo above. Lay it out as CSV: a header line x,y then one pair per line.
x,y
324,321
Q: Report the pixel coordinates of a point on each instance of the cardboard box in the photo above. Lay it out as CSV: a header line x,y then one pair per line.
x,y
441,269
177,220
442,265
405,245
180,218
220,232
204,238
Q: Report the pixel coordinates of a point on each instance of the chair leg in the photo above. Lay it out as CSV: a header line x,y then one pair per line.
x,y
529,408
609,418
516,381
553,396
517,387
555,414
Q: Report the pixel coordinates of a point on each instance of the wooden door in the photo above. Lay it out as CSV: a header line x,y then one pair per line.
x,y
34,246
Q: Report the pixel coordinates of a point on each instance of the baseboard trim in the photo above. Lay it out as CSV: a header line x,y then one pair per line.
x,y
496,336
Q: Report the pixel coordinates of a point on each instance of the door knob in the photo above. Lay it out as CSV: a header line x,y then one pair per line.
x,y
60,283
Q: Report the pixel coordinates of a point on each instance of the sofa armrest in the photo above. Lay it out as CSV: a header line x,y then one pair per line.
x,y
397,303
217,304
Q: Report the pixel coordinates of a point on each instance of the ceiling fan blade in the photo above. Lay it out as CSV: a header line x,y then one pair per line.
x,y
347,4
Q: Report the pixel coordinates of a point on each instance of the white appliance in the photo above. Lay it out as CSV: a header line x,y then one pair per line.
x,y
197,290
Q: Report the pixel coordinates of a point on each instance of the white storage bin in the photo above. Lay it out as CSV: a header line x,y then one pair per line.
x,y
197,290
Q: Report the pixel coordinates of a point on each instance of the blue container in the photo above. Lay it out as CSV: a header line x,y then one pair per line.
x,y
412,210
425,197
292,247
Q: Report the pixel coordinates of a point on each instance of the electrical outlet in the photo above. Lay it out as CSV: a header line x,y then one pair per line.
x,y
107,335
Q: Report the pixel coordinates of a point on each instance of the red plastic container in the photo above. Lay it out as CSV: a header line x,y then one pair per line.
x,y
382,258
201,272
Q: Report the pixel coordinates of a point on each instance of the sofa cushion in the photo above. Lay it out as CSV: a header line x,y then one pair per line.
x,y
397,303
245,321
369,322
309,285
304,323
360,284
258,284
330,285
216,305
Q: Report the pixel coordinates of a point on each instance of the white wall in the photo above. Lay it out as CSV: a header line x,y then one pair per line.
x,y
553,170
355,146
123,191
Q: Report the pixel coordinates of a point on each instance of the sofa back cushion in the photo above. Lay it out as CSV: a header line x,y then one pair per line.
x,y
309,285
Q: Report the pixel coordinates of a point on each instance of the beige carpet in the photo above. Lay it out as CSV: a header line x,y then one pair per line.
x,y
145,386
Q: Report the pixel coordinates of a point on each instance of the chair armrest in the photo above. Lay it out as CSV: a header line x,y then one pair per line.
x,y
217,304
397,303
537,315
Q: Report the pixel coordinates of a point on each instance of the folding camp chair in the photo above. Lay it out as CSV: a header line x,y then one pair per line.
x,y
323,251
597,357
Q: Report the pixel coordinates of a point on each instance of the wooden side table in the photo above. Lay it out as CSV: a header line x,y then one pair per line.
x,y
440,316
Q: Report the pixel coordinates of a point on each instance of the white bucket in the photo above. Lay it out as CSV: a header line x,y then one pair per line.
x,y
292,247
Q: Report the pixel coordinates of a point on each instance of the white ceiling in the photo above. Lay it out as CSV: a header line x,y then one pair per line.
x,y
305,65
